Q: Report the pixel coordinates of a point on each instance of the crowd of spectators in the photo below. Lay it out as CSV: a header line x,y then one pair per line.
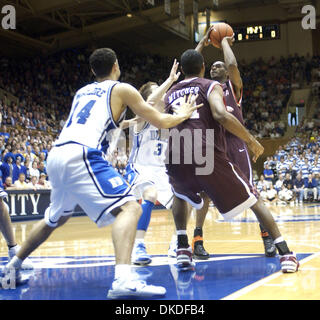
x,y
267,88
23,158
44,88
293,173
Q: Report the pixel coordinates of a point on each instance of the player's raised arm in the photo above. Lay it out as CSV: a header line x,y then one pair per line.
x,y
231,63
231,123
129,96
156,97
205,41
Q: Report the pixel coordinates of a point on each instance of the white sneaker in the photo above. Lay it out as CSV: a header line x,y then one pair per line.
x,y
10,274
134,288
184,259
172,251
140,255
289,263
26,265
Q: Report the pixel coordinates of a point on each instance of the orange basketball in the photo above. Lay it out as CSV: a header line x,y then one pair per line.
x,y
219,31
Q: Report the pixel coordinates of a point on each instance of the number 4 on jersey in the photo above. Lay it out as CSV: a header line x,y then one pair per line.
x,y
83,114
178,102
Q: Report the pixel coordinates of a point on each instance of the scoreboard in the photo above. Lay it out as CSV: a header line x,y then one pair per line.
x,y
256,32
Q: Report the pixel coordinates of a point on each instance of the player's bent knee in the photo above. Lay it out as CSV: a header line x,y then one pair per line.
x,y
134,208
150,194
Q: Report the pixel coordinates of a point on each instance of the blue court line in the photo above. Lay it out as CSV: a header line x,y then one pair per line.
x,y
223,275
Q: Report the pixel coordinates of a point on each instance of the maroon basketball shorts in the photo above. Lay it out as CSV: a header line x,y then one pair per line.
x,y
240,157
226,186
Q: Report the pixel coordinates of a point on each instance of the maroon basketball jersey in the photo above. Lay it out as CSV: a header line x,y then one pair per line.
x,y
202,117
233,106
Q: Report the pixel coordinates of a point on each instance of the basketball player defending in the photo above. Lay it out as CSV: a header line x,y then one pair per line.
x,y
7,231
80,174
146,170
226,185
228,75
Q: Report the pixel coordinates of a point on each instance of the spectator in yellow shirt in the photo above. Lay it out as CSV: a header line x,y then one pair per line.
x,y
21,182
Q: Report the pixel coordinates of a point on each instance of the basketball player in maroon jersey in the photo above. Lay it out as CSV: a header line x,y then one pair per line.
x,y
227,73
226,185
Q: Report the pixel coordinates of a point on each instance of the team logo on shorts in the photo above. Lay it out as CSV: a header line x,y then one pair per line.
x,y
229,109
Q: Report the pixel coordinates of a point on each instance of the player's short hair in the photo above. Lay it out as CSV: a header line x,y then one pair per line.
x,y
191,62
145,90
101,61
220,62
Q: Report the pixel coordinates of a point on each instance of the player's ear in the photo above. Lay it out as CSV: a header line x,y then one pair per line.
x,y
116,67
203,69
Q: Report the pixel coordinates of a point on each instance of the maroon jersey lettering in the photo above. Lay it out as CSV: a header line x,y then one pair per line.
x,y
202,117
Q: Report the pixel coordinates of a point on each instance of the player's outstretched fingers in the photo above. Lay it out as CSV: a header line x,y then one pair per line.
x,y
191,99
193,103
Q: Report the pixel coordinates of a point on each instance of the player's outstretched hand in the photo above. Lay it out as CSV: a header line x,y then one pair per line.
x,y
189,106
206,39
256,148
174,75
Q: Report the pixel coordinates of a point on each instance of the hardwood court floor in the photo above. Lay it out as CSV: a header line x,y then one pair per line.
x,y
227,242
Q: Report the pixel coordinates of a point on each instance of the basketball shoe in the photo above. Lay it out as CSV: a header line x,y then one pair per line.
x,y
184,259
9,274
124,287
289,263
270,249
198,250
26,265
139,254
172,251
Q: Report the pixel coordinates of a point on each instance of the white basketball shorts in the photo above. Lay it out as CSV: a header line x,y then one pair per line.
x,y
82,176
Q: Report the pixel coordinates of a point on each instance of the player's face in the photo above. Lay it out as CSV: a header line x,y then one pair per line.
x,y
218,71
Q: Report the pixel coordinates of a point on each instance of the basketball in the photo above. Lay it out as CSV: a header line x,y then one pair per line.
x,y
219,31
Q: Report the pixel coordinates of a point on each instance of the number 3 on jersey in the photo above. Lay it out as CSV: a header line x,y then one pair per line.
x,y
178,102
83,114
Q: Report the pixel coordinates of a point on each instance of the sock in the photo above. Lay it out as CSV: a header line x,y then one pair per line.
x,y
182,239
282,246
264,232
197,232
12,246
122,271
15,262
144,220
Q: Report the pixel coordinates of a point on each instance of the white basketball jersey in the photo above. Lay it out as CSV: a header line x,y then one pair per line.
x,y
148,149
90,119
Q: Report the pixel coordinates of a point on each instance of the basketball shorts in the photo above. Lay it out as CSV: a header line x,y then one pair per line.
x,y
226,186
240,157
3,194
82,176
140,177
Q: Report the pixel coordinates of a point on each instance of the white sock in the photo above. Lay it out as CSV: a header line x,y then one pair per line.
x,y
280,239
14,263
122,271
181,232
